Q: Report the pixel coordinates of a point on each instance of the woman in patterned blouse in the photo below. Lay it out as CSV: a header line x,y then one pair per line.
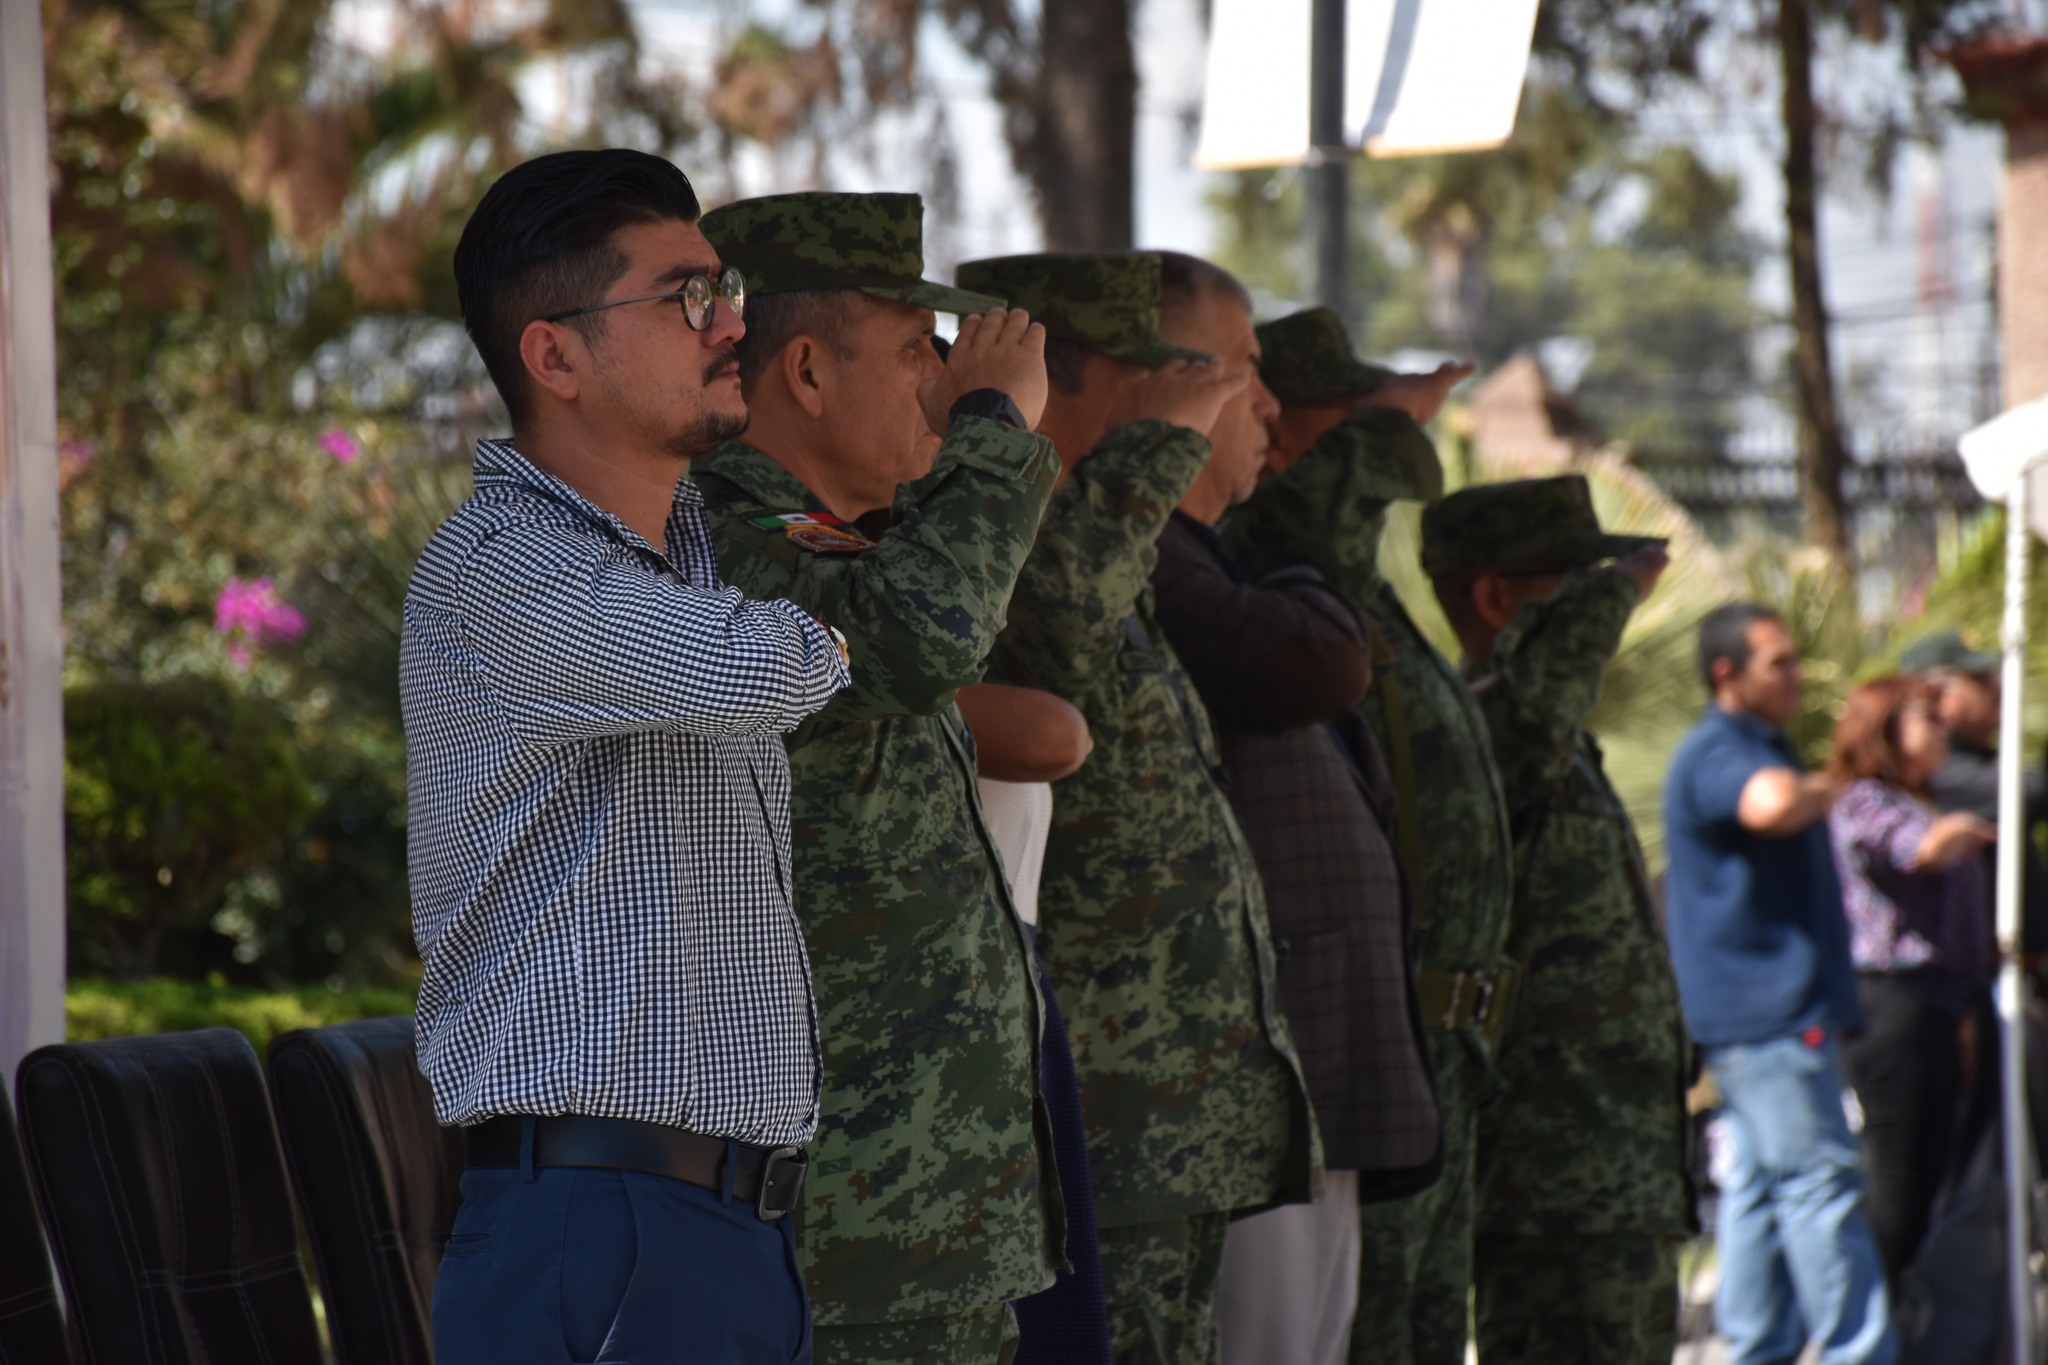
x,y
1914,896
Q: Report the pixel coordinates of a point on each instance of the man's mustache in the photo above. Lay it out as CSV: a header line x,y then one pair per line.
x,y
720,359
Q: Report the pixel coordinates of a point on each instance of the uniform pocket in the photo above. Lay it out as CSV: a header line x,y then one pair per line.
x,y
466,1244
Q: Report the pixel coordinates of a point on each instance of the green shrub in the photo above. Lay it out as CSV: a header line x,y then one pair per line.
x,y
173,790
119,1009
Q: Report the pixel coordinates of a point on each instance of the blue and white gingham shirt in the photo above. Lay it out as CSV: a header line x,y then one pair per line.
x,y
600,818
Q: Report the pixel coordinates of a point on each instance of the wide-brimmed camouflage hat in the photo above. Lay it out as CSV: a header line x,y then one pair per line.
x,y
1105,301
1946,649
1306,357
1524,526
820,241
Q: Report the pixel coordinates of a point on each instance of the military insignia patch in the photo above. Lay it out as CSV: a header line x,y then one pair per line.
x,y
775,521
829,540
819,532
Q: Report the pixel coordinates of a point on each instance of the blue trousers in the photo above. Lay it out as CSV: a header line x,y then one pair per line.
x,y
1067,1324
579,1266
1798,1261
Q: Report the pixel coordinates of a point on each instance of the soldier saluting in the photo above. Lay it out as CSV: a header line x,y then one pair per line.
x,y
897,497
1584,1195
1151,913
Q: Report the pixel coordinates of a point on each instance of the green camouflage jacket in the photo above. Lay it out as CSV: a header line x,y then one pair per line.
x,y
1326,510
932,1187
1151,914
1591,1135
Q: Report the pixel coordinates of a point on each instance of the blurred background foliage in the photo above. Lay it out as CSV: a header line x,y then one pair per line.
x,y
263,380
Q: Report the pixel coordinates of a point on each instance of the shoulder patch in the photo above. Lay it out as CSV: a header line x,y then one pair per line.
x,y
829,540
775,521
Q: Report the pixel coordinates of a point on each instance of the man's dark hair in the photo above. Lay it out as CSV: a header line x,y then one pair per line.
x,y
1066,361
1185,281
826,316
1724,634
540,243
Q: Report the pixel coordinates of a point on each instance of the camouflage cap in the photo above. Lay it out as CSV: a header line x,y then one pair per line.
x,y
1946,649
1307,357
872,243
1105,301
1524,526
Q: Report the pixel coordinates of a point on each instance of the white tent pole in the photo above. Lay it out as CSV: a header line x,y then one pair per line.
x,y
2012,834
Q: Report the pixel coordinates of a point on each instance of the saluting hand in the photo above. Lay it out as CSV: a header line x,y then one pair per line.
x,y
1645,566
1186,393
1421,396
1001,349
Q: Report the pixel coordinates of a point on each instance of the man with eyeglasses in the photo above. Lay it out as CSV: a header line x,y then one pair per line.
x,y
615,1002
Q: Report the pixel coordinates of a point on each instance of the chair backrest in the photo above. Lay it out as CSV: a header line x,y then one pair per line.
x,y
161,1186
378,1181
31,1320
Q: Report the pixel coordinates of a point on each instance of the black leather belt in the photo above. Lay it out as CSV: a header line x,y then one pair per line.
x,y
769,1178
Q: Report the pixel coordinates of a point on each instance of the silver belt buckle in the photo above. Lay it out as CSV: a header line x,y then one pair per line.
x,y
782,1183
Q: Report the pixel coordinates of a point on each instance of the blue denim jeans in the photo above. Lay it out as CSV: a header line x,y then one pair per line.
x,y
1798,1261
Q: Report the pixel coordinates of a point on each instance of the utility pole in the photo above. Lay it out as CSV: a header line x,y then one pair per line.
x,y
1329,163
31,638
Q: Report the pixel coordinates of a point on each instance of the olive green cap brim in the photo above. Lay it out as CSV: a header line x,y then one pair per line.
x,y
1358,379
1521,526
1579,555
1620,547
1306,357
940,298
1106,302
1152,355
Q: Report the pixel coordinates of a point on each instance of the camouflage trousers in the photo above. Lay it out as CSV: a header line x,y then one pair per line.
x,y
1415,1261
1160,1281
1598,1300
981,1336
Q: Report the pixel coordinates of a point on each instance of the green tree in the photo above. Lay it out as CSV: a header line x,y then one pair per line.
x,y
172,791
1637,46
1063,72
252,215
1566,232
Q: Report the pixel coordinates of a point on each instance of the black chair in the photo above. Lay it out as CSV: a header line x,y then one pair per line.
x,y
164,1196
378,1181
31,1319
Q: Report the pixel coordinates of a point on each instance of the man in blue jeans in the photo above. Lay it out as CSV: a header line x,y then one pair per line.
x,y
1762,955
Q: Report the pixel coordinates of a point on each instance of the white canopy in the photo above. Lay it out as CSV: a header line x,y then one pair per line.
x,y
1420,76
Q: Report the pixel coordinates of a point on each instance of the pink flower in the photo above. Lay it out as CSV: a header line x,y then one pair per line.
x,y
251,615
78,452
340,445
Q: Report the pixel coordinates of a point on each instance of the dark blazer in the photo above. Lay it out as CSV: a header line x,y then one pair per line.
x,y
1280,664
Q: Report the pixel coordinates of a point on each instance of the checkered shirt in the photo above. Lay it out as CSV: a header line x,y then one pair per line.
x,y
600,818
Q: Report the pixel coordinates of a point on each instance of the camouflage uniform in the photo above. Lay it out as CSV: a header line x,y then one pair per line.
x,y
1583,1188
1152,918
932,1198
1451,830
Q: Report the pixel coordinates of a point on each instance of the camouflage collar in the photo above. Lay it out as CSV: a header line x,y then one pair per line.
x,y
752,470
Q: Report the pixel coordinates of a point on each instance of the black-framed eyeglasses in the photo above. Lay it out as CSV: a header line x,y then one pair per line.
x,y
699,298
